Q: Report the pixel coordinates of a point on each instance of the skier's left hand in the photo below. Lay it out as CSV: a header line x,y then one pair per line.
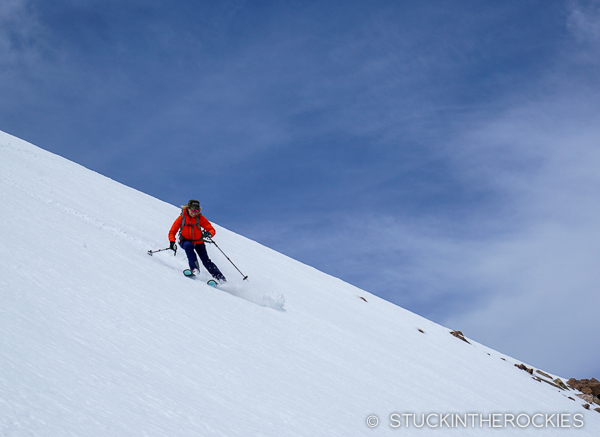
x,y
206,235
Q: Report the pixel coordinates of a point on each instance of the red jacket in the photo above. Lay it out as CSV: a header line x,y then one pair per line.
x,y
191,231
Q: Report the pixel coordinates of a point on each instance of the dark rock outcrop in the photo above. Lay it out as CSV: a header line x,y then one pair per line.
x,y
585,386
525,368
460,335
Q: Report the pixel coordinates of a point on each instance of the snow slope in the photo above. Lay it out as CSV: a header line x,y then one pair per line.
x,y
99,339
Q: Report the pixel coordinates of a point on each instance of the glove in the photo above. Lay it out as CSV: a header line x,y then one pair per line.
x,y
206,235
172,246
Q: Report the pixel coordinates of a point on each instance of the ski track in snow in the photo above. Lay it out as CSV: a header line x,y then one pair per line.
x,y
251,293
244,291
116,231
247,290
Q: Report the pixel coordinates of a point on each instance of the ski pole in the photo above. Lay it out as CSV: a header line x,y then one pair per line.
x,y
210,240
150,252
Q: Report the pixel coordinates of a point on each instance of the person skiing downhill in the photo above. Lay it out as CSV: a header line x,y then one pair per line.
x,y
193,228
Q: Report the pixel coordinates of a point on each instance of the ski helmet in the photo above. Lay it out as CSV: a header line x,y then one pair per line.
x,y
194,204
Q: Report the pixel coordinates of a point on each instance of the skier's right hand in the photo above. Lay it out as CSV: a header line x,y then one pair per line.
x,y
172,245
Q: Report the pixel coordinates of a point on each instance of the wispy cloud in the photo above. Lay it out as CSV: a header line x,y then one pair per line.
x,y
539,274
511,257
519,273
584,20
19,32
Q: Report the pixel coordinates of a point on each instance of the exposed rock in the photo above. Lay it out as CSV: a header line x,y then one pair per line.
x,y
525,368
460,335
597,409
586,397
589,398
561,384
543,374
586,406
547,382
556,382
586,386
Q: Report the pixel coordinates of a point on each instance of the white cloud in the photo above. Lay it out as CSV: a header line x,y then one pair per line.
x,y
541,277
522,278
9,8
584,20
20,32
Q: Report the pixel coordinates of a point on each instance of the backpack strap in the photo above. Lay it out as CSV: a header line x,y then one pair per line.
x,y
184,224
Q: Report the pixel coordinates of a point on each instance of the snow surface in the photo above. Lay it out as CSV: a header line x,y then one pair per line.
x,y
99,339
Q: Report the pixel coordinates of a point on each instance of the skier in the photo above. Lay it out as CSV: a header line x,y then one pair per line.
x,y
193,227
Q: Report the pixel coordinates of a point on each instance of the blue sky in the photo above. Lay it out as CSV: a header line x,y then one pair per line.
x,y
442,155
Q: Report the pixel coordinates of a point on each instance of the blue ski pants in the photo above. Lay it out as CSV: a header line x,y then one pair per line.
x,y
191,249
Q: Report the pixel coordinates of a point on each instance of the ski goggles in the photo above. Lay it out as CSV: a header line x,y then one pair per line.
x,y
195,210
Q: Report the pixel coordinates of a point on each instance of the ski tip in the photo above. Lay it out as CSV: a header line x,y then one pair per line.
x,y
212,283
188,272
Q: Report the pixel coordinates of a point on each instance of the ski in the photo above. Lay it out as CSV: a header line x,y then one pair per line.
x,y
190,274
